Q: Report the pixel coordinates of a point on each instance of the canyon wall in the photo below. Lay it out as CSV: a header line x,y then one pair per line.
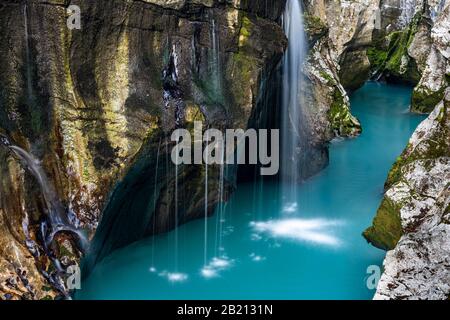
x,y
96,108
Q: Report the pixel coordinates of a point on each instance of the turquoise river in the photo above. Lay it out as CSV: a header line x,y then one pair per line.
x,y
256,249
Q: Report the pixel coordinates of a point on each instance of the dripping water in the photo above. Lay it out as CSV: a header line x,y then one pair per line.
x,y
215,61
205,245
154,202
57,218
176,211
221,205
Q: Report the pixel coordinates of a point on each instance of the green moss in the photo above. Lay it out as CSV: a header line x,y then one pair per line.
x,y
63,251
437,146
46,288
342,121
246,31
396,171
330,80
394,60
246,27
386,229
315,28
377,57
424,100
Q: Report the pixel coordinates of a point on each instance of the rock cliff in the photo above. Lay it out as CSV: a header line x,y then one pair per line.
x,y
413,220
95,105
93,110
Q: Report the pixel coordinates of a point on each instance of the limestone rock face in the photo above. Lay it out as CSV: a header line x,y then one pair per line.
x,y
351,25
413,220
411,46
340,48
435,76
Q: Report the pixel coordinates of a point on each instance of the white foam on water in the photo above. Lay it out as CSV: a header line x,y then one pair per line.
x,y
174,276
217,264
290,207
318,231
257,258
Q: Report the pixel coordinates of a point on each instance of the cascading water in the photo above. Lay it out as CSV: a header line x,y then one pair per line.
x,y
58,219
292,103
154,202
408,9
205,253
221,205
215,61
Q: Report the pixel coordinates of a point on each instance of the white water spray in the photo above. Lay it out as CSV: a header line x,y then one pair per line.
x,y
215,61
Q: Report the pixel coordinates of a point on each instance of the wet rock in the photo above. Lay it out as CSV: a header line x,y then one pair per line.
x,y
418,194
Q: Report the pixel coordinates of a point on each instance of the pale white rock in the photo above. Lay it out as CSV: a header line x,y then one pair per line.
x,y
440,32
419,266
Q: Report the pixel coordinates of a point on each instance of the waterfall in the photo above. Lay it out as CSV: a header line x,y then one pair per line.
x,y
205,253
292,102
221,204
57,216
408,9
155,201
54,207
215,61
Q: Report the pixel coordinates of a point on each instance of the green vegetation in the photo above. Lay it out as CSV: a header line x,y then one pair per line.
x,y
315,28
386,229
342,121
393,60
424,100
377,57
330,80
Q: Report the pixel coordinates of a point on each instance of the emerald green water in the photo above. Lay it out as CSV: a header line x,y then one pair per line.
x,y
310,250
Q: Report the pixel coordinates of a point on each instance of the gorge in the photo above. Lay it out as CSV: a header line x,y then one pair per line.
x,y
85,123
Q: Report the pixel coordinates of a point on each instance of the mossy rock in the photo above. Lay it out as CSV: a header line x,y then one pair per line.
x,y
342,121
393,60
377,57
424,100
386,229
315,28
